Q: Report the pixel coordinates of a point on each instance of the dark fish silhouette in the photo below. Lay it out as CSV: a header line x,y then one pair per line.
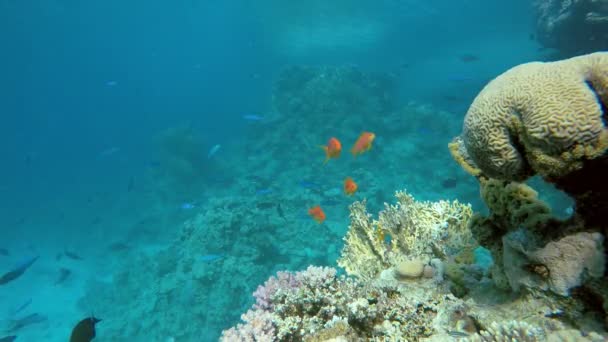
x,y
458,334
118,246
84,331
8,338
131,184
449,183
18,271
64,273
28,320
23,306
265,205
280,211
70,255
468,58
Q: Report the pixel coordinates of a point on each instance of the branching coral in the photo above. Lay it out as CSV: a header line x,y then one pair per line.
x,y
406,230
317,305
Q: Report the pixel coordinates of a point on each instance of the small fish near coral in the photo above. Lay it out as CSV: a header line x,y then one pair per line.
x,y
17,271
253,117
187,206
350,187
317,214
27,320
213,150
63,275
363,143
84,331
332,149
210,257
468,58
449,183
72,255
22,306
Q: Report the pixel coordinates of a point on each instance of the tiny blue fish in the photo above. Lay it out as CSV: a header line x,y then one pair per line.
x,y
458,334
309,185
329,202
23,306
460,78
17,271
263,191
210,257
253,117
213,151
424,131
187,206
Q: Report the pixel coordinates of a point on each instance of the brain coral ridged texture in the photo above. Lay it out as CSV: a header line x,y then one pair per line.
x,y
538,118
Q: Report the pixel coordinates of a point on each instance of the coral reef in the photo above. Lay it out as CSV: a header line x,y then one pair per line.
x,y
227,248
182,163
406,230
538,118
317,305
572,26
335,92
559,266
546,119
509,331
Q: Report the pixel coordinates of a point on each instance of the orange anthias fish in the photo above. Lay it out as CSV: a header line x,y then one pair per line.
x,y
363,144
350,187
333,149
317,214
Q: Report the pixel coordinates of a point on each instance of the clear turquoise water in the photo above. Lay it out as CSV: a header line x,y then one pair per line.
x,y
110,110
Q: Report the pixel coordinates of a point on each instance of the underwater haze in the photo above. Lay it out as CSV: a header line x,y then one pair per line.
x,y
163,159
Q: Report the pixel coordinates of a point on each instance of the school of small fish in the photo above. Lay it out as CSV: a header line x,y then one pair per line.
x,y
332,151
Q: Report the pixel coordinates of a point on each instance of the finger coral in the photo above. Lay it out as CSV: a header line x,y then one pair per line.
x,y
544,118
406,230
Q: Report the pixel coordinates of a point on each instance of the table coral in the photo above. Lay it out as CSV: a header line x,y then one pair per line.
x,y
415,229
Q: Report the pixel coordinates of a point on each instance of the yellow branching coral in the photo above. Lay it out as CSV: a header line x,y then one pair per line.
x,y
415,229
543,118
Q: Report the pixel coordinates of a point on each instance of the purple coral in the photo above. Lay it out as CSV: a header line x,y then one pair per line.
x,y
260,322
264,293
258,327
315,277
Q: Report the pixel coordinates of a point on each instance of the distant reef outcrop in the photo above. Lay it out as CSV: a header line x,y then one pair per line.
x,y
572,26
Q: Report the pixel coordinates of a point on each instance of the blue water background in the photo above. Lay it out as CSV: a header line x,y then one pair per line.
x,y
86,86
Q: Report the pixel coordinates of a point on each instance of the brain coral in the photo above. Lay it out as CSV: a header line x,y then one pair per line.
x,y
537,118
